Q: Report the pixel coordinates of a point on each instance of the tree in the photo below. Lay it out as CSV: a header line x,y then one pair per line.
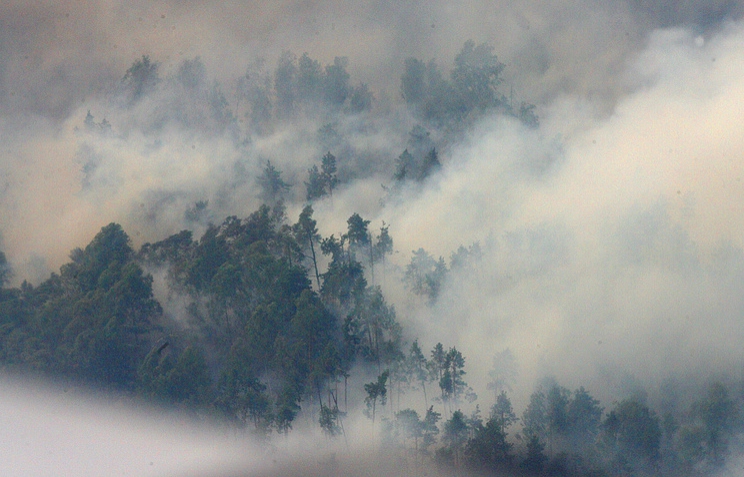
x,y
315,185
5,270
417,367
633,434
429,165
192,74
376,390
309,79
584,417
557,399
502,412
357,234
360,99
535,416
413,81
336,82
140,79
410,425
535,460
255,87
424,275
285,84
475,77
272,186
328,172
329,420
451,382
454,437
504,369
384,244
404,167
307,233
429,429
718,414
489,449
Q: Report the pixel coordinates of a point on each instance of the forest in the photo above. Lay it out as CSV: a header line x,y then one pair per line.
x,y
276,321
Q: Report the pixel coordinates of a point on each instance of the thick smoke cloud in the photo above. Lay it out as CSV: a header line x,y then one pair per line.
x,y
611,236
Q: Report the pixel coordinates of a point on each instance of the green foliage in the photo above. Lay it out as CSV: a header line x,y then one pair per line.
x,y
336,87
273,188
140,79
717,416
315,184
376,391
329,420
322,181
476,76
502,412
535,458
504,369
471,91
424,276
488,448
5,270
454,438
285,79
360,99
633,433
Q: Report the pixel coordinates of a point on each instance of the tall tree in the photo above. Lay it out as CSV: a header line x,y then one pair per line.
x,y
271,184
315,185
5,270
307,233
418,368
718,414
285,84
140,79
328,172
633,432
376,391
336,82
454,437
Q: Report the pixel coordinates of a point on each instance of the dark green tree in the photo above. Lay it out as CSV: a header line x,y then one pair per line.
x,y
376,391
584,417
309,79
718,415
424,276
307,234
328,172
476,76
273,188
502,412
336,87
140,79
488,449
632,434
454,438
285,84
5,270
418,368
360,99
315,185
413,82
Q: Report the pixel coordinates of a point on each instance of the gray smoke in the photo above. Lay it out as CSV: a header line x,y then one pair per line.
x,y
611,237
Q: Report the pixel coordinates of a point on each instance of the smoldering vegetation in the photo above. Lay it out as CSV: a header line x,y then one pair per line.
x,y
514,255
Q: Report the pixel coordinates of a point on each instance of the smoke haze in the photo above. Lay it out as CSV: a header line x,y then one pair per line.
x,y
612,237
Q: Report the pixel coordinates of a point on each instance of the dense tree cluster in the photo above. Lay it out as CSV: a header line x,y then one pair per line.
x,y
274,318
268,333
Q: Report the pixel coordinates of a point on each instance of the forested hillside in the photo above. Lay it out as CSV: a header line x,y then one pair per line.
x,y
259,319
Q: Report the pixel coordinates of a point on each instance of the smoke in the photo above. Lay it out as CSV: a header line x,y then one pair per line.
x,y
55,430
611,236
